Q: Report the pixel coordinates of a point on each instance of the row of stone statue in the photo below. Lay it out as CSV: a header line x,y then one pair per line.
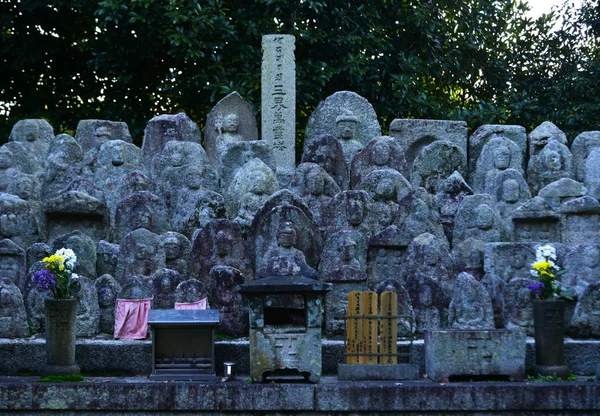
x,y
145,221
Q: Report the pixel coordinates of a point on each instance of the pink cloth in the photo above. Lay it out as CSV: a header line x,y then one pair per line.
x,y
131,318
201,304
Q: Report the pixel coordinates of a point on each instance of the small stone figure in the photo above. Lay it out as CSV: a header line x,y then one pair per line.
x,y
13,318
35,135
108,291
327,152
434,163
470,306
499,154
106,258
141,254
450,194
162,284
586,318
581,148
381,153
177,251
223,295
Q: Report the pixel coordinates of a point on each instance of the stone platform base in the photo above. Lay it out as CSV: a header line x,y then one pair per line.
x,y
378,371
141,396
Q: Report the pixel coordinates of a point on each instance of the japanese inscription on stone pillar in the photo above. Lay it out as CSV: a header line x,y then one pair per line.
x,y
278,106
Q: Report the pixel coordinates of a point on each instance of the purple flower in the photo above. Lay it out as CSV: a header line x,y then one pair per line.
x,y
536,288
43,280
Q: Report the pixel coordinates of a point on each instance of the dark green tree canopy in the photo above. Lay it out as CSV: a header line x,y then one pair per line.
x,y
482,61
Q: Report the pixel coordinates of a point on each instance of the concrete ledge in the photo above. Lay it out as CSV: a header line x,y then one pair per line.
x,y
140,396
133,357
378,371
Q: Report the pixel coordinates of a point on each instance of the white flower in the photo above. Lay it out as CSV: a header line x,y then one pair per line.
x,y
75,276
69,256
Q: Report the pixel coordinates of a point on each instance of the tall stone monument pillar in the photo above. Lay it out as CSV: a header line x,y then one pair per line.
x,y
278,107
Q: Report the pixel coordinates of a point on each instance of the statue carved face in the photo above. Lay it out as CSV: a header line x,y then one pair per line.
x,y
381,154
315,183
101,136
194,178
355,212
385,190
502,157
346,129
286,236
553,161
347,250
231,123
485,217
172,248
31,130
223,243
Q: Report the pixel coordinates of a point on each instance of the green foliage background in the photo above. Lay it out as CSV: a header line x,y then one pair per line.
x,y
481,61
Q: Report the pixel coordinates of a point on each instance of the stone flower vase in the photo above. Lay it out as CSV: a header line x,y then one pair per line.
x,y
549,324
60,337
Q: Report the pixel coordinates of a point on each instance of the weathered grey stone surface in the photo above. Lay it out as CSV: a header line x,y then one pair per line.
x,y
509,260
592,173
34,134
140,210
136,287
475,353
351,210
380,153
194,207
135,181
235,155
163,283
552,163
428,258
219,243
141,254
13,317
542,135
478,217
586,319
496,287
582,267
581,220
414,134
448,197
581,148
108,290
18,221
519,305
284,206
85,250
36,252
17,165
231,120
467,256
223,295
485,133
88,309
470,305
316,187
12,263
406,314
189,291
510,190
385,256
175,164
348,117
278,105
386,187
562,190
327,152
163,129
252,185
429,303
285,259
435,162
92,134
178,250
535,220
106,258
498,155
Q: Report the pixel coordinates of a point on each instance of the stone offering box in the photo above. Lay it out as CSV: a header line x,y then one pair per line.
x,y
183,344
475,354
286,315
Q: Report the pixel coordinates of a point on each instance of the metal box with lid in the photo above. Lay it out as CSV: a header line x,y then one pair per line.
x,y
183,344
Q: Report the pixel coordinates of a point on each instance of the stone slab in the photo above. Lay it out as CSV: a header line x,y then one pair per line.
x,y
378,372
499,352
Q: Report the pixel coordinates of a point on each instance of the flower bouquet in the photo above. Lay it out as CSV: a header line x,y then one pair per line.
x,y
58,276
546,270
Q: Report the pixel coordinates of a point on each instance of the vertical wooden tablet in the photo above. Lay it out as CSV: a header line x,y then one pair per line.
x,y
388,330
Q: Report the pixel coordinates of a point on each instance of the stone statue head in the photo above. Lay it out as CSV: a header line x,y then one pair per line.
x,y
193,177
553,160
258,183
231,123
346,125
385,189
143,251
381,154
286,234
347,250
6,158
315,182
172,247
325,158
510,191
355,212
118,154
30,130
142,218
223,243
485,217
175,157
502,157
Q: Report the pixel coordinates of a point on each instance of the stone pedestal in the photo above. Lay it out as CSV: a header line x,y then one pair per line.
x,y
471,353
60,337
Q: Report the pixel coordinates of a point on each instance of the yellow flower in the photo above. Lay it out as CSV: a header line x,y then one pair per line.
x,y
61,267
542,266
